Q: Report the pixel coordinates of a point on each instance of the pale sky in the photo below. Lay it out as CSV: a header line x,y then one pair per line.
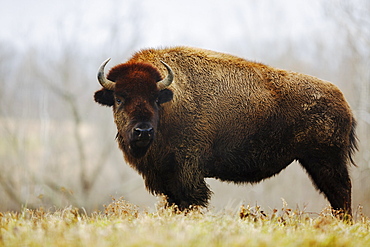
x,y
212,24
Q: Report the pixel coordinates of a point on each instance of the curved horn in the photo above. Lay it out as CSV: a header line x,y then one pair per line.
x,y
107,84
168,80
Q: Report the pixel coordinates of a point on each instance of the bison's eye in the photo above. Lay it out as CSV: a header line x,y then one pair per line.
x,y
119,101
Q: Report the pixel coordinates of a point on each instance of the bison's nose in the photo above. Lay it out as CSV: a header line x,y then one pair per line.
x,y
142,137
143,133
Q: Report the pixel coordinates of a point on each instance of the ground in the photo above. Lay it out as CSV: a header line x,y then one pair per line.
x,y
124,224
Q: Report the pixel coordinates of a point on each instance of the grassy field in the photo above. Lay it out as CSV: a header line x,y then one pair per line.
x,y
123,224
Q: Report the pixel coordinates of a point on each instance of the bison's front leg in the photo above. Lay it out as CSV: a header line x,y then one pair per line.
x,y
186,189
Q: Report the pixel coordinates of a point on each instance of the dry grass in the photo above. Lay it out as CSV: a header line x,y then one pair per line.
x,y
124,224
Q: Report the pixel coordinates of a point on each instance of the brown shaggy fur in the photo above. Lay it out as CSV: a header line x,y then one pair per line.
x,y
230,119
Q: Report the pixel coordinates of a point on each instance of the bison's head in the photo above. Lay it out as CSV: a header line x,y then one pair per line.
x,y
135,90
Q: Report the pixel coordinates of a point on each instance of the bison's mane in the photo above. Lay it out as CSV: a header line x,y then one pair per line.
x,y
134,72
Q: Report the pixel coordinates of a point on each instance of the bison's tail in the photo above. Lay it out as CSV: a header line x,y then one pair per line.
x,y
353,142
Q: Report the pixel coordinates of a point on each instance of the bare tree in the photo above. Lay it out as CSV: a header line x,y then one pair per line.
x,y
52,153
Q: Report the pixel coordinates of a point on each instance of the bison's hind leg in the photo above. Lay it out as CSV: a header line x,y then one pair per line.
x,y
329,173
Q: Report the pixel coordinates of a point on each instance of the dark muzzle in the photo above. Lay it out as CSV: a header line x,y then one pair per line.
x,y
142,135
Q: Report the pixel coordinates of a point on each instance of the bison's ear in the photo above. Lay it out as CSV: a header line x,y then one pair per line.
x,y
165,95
104,97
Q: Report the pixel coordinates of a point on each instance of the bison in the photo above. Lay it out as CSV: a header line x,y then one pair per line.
x,y
185,114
